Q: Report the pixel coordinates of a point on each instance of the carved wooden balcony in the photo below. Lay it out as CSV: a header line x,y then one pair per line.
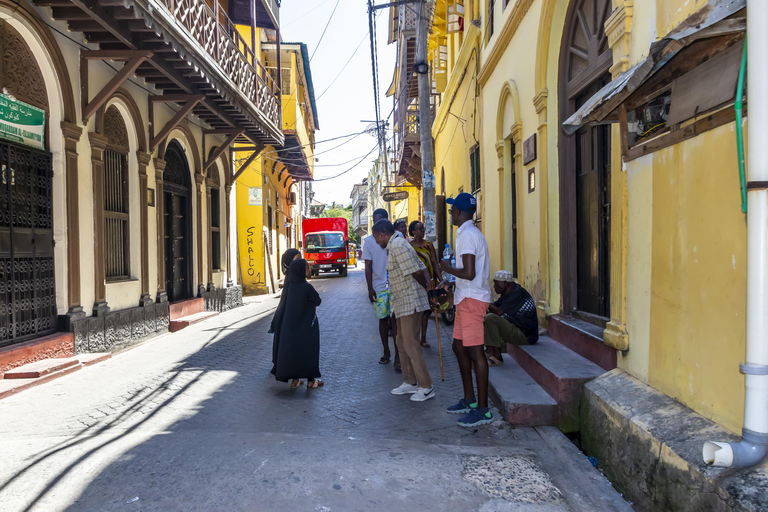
x,y
194,51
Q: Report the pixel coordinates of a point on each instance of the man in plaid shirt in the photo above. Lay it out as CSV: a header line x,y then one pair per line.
x,y
409,281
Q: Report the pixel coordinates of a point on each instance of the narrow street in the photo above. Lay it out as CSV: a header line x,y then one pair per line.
x,y
194,421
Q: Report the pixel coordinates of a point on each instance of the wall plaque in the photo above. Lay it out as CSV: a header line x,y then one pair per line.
x,y
529,149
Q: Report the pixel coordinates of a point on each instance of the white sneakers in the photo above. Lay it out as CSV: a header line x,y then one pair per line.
x,y
423,394
405,389
417,394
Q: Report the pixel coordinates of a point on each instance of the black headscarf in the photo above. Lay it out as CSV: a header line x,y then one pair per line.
x,y
287,258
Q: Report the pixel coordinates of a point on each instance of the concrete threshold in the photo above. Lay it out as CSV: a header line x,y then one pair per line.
x,y
650,447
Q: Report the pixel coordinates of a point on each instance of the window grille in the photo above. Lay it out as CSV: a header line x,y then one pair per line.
x,y
116,232
474,167
215,229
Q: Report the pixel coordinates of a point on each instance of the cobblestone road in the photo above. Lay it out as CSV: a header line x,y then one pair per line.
x,y
194,421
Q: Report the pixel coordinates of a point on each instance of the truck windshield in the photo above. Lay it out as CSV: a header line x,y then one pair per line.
x,y
324,242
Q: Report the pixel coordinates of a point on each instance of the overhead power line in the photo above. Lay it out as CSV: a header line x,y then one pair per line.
x,y
326,28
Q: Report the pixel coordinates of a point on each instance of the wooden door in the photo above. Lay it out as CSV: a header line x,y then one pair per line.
x,y
593,222
585,176
176,246
177,216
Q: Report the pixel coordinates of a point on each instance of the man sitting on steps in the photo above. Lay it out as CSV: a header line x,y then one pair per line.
x,y
511,319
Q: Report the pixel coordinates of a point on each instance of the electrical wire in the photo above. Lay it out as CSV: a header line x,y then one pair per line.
x,y
326,28
457,126
343,68
283,27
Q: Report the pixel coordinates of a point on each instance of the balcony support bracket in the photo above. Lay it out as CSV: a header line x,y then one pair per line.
x,y
132,58
235,133
188,102
245,165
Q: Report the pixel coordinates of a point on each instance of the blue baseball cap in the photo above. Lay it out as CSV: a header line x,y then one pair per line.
x,y
464,202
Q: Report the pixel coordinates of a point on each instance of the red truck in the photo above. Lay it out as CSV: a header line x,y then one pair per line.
x,y
325,244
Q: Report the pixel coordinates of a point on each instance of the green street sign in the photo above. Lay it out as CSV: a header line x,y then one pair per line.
x,y
21,123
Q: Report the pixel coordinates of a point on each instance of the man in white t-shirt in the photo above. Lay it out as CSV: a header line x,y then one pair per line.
x,y
472,298
375,258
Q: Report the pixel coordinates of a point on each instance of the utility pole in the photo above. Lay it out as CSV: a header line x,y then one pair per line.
x,y
425,123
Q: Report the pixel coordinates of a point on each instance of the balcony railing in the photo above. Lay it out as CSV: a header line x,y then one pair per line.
x,y
218,36
407,121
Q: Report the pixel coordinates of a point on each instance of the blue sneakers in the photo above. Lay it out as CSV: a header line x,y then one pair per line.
x,y
463,407
476,417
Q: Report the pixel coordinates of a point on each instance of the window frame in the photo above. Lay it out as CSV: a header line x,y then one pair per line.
x,y
124,217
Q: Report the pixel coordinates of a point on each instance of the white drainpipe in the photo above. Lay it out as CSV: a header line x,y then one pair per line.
x,y
754,444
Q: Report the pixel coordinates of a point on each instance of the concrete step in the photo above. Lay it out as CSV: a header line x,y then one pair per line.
x,y
41,368
54,345
561,372
188,307
519,398
10,387
181,323
583,338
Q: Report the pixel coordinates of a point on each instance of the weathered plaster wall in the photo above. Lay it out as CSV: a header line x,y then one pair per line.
x,y
698,281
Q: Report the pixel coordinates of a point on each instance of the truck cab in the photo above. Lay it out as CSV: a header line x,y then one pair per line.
x,y
325,245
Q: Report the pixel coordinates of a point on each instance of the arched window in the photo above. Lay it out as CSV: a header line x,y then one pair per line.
x,y
116,218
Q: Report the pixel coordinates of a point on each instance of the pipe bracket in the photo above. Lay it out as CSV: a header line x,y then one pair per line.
x,y
753,369
753,437
757,185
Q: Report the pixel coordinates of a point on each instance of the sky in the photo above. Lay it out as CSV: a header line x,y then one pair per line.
x,y
350,98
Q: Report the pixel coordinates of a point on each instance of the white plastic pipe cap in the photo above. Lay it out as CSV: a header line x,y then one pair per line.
x,y
717,454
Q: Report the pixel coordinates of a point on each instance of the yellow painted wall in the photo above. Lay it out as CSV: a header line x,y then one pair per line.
x,y
456,135
507,106
250,233
670,13
698,281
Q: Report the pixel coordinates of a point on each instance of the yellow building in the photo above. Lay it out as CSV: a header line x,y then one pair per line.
x,y
627,221
273,190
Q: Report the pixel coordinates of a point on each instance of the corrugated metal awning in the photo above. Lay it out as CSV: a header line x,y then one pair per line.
x,y
709,21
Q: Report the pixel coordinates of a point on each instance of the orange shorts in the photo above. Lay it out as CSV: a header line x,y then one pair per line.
x,y
470,322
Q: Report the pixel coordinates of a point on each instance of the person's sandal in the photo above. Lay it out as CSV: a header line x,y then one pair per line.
x,y
296,383
384,360
317,383
424,344
492,361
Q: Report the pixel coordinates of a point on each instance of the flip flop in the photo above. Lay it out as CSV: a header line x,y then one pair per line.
x,y
317,383
296,383
384,360
425,344
492,361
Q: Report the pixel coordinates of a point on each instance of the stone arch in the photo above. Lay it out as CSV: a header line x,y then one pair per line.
x,y
40,40
550,9
184,136
130,112
508,93
19,72
62,136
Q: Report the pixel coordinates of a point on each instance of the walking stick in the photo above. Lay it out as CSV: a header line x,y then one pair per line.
x,y
439,346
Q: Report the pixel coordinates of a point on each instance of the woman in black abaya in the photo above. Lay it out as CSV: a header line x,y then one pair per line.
x,y
296,346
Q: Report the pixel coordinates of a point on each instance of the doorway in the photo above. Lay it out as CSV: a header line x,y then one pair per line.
x,y
177,215
27,284
585,164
